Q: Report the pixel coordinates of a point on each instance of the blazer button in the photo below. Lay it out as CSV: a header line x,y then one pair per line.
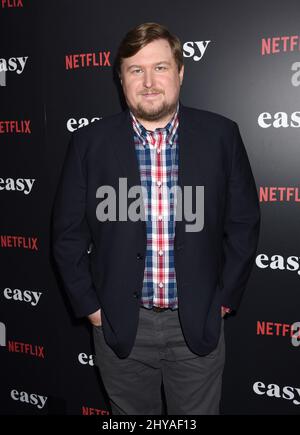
x,y
139,256
136,295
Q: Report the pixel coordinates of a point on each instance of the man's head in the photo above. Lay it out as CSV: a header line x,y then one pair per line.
x,y
150,66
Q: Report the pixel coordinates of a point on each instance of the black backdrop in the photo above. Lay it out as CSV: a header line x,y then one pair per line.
x,y
248,71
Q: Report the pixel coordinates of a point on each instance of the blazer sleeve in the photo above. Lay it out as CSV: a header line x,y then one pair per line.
x,y
241,226
71,234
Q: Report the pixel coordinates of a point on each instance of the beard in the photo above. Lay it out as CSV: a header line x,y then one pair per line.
x,y
155,113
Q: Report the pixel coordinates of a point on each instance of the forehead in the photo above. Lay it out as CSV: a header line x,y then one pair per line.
x,y
155,51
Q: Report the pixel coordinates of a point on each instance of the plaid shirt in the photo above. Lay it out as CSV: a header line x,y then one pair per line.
x,y
157,154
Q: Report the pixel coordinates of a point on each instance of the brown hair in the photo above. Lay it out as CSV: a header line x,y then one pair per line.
x,y
140,36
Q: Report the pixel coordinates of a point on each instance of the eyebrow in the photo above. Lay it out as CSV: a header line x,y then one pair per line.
x,y
157,63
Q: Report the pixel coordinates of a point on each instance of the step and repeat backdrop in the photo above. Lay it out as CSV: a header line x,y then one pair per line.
x,y
242,59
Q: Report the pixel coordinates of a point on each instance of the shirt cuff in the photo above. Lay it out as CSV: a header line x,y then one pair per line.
x,y
226,309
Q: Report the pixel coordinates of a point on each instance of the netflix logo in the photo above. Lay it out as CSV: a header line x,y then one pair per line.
x,y
280,44
21,242
279,194
280,330
272,328
86,410
26,348
20,347
12,4
15,127
88,60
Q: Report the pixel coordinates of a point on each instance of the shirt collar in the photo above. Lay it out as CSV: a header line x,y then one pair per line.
x,y
169,130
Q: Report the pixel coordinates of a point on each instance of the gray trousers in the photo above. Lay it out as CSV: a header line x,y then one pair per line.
x,y
192,383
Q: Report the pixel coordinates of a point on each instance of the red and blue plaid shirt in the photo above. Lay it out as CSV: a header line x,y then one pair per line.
x,y
157,153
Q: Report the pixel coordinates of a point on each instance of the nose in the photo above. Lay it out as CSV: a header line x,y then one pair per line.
x,y
148,79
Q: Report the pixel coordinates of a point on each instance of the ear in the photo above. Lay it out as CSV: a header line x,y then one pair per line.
x,y
181,74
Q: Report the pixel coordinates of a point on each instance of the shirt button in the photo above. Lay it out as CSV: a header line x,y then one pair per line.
x,y
160,217
158,183
160,252
158,150
160,285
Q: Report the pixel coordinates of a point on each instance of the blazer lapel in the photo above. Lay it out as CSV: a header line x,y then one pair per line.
x,y
123,141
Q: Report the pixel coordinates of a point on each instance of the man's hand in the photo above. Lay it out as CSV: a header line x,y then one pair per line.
x,y
95,318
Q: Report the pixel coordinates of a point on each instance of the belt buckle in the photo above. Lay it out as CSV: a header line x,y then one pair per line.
x,y
158,309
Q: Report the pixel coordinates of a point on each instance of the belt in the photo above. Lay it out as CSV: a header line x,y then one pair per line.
x,y
156,309
159,309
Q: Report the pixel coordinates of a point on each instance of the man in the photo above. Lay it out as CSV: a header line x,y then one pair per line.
x,y
156,289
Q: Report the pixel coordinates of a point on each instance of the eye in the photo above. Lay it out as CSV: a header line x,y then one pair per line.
x,y
161,68
136,71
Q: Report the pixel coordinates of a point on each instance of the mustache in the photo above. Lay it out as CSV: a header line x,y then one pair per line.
x,y
152,91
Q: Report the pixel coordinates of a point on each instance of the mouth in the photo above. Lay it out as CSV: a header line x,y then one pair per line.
x,y
151,95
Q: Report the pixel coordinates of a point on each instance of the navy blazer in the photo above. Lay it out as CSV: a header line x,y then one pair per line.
x,y
102,263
